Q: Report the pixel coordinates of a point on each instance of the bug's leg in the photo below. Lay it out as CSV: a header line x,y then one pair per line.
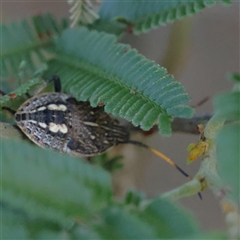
x,y
57,82
2,92
9,110
28,95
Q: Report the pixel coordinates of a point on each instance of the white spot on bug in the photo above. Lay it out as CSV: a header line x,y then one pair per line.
x,y
53,127
106,142
92,137
43,125
41,108
52,107
32,121
33,111
58,127
91,112
60,107
63,128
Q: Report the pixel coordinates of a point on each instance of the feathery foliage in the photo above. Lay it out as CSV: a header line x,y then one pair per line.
x,y
22,41
129,85
19,91
49,185
142,16
42,188
81,11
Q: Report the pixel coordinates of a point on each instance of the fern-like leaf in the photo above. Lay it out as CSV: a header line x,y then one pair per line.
x,y
94,67
25,42
4,100
14,98
49,185
173,222
145,15
17,224
81,11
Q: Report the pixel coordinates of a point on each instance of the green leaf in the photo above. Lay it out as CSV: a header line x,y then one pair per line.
x,y
22,41
49,185
145,15
43,192
168,220
164,124
12,224
120,224
16,224
94,67
134,197
160,220
227,105
228,142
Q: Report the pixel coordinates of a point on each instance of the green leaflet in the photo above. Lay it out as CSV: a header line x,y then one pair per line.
x,y
49,185
142,16
16,97
22,41
173,222
19,91
94,67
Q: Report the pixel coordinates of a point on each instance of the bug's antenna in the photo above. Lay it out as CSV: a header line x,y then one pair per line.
x,y
161,155
9,110
164,157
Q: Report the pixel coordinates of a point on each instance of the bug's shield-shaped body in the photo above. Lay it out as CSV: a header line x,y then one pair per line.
x,y
58,121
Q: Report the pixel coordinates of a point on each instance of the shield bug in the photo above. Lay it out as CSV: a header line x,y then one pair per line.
x,y
58,121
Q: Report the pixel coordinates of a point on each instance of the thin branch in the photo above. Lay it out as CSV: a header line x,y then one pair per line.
x,y
182,125
189,125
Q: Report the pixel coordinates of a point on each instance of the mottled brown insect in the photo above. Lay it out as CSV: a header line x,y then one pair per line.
x,y
59,121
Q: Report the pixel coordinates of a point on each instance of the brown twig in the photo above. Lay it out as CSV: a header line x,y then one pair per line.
x,y
182,125
190,125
